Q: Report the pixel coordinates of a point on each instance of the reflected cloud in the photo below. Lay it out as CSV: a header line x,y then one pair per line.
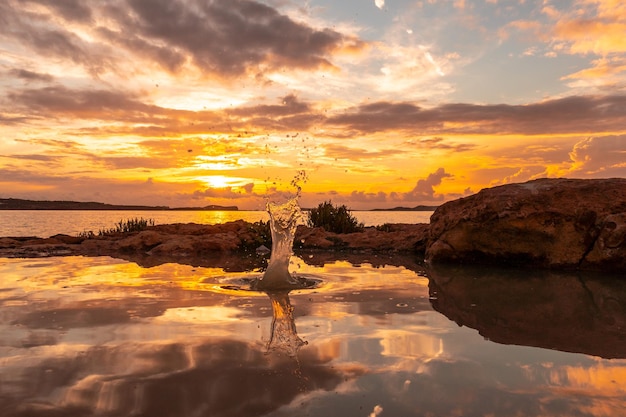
x,y
86,336
223,377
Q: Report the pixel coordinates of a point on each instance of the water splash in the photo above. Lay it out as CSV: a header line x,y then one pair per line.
x,y
284,220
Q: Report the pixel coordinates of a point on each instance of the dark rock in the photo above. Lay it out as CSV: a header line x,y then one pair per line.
x,y
553,223
67,239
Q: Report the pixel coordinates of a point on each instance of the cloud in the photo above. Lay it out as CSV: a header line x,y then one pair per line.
x,y
354,154
97,103
593,26
602,67
361,196
120,108
425,188
438,142
422,193
600,36
76,10
379,3
290,105
245,191
228,39
48,159
599,156
564,115
45,35
30,75
572,114
231,38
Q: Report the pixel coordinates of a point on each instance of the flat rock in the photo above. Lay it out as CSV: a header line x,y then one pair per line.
x,y
195,241
548,223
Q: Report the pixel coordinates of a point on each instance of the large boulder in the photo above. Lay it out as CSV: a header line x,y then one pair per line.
x,y
553,223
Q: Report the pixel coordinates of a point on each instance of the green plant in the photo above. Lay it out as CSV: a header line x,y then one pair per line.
x,y
87,234
127,226
130,225
336,219
262,234
387,227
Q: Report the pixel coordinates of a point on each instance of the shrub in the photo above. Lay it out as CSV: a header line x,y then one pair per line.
x,y
130,225
262,234
387,227
336,219
87,234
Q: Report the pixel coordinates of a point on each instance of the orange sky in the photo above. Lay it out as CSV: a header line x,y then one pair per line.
x,y
381,104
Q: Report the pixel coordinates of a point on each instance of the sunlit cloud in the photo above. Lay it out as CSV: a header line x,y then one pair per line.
x,y
603,155
189,101
572,114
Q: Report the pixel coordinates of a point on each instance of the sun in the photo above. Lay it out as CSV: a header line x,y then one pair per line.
x,y
222,181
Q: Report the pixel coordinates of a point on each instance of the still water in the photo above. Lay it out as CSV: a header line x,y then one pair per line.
x,y
46,223
83,336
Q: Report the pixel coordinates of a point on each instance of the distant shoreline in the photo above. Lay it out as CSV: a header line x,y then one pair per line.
x,y
416,208
19,204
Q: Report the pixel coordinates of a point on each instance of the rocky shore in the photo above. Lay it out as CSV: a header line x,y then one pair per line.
x,y
219,244
545,223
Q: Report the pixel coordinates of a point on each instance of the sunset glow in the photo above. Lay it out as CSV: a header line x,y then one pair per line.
x,y
383,104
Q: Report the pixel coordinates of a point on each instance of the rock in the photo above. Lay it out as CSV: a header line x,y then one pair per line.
x,y
313,238
399,238
141,241
262,250
7,242
394,238
68,239
552,223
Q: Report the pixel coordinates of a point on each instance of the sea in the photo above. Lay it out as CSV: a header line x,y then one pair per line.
x,y
46,223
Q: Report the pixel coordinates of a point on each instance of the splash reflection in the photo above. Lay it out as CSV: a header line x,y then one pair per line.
x,y
283,334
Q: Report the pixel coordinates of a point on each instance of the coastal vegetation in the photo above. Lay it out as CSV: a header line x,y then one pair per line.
x,y
123,226
262,233
335,219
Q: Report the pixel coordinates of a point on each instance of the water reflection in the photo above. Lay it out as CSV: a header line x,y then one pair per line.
x,y
99,336
283,333
573,312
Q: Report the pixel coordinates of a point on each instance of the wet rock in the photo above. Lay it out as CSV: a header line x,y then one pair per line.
x,y
553,223
393,238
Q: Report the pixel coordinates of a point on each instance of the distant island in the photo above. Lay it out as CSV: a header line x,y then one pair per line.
x,y
416,208
18,204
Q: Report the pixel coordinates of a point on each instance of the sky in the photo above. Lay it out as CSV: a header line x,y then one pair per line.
x,y
367,103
